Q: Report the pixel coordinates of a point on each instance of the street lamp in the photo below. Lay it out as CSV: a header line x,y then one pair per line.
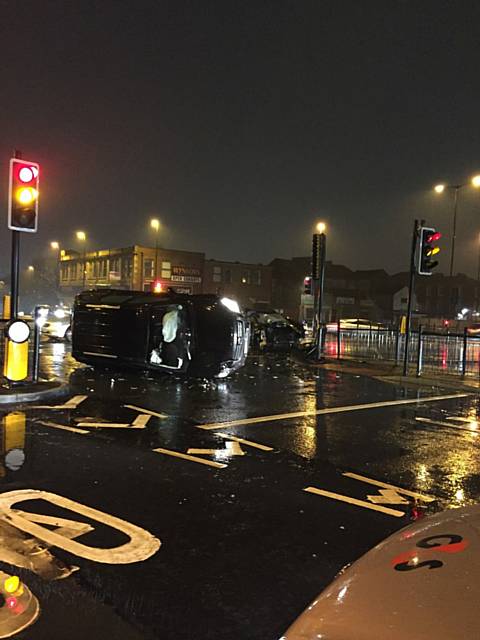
x,y
31,268
440,188
55,246
82,237
319,250
155,225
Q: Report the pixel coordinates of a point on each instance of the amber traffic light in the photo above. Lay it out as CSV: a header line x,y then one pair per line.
x,y
23,195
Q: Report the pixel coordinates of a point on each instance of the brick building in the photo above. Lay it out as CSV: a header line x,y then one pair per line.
x,y
133,268
250,284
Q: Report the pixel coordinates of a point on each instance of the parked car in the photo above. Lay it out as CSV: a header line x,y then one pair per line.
x,y
272,330
419,584
194,334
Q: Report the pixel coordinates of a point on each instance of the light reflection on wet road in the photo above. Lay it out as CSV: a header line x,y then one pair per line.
x,y
244,548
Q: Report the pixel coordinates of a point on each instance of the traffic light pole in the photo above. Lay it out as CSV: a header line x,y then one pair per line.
x,y
15,263
15,272
411,290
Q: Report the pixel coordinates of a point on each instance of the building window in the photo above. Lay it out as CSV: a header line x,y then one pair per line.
x,y
148,268
246,277
257,277
115,264
166,270
217,274
227,276
127,268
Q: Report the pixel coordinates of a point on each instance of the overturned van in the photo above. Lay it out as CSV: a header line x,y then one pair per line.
x,y
192,334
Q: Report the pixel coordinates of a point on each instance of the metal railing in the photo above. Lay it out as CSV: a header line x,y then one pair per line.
x,y
429,351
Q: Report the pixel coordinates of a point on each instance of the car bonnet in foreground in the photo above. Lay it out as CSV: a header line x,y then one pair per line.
x,y
421,583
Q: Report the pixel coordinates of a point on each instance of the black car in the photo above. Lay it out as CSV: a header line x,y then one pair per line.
x,y
195,334
272,330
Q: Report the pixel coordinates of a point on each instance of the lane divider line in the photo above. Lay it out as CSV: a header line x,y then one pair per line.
x,y
318,412
184,456
386,485
449,425
354,501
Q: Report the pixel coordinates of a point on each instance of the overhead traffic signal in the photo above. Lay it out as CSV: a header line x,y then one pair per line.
x,y
23,195
427,251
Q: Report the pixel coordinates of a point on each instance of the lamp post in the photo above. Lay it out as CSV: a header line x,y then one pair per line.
x,y
319,251
82,237
155,225
440,188
55,246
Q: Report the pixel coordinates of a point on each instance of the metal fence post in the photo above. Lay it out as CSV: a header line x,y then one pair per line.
x,y
397,346
36,345
420,351
464,351
339,339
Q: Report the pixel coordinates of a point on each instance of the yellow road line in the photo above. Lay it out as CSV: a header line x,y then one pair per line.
x,y
61,426
318,412
263,447
147,411
354,501
184,456
385,485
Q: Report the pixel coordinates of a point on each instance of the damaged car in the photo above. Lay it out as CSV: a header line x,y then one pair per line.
x,y
273,331
199,334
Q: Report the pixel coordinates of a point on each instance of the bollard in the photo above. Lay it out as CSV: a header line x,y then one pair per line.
x,y
464,351
420,351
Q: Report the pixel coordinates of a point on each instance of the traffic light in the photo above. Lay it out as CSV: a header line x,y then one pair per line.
x,y
23,195
316,256
307,285
427,250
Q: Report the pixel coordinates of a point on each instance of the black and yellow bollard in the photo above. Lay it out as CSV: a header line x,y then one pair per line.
x,y
15,366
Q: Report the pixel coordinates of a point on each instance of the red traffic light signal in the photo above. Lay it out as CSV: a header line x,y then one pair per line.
x,y
307,285
23,195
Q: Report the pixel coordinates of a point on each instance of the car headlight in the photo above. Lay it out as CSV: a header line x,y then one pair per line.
x,y
59,313
232,305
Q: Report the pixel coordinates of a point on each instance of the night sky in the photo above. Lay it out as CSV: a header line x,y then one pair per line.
x,y
239,124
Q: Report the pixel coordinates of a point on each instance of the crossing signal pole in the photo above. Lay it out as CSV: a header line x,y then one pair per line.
x,y
421,262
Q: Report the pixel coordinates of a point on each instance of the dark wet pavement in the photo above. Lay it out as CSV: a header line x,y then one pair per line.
x,y
244,547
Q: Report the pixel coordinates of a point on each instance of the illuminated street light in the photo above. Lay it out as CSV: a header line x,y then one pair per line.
x,y
155,224
321,227
81,235
55,246
31,267
440,188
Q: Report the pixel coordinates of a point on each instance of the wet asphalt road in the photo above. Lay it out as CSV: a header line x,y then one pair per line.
x,y
244,547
